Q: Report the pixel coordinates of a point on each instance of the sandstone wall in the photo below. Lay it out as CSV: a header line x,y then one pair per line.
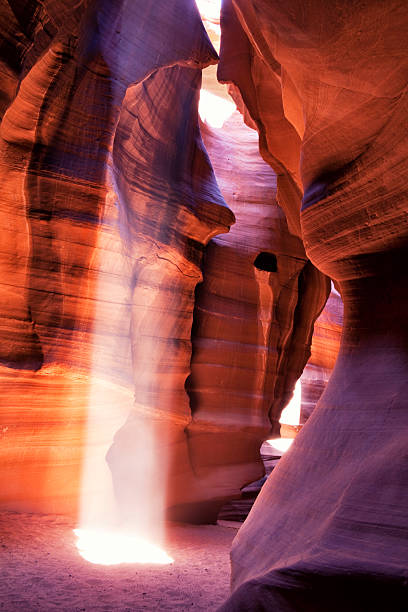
x,y
325,85
253,319
107,198
324,350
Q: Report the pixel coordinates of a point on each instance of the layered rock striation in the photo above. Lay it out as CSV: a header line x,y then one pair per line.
x,y
107,200
112,360
324,351
326,87
253,319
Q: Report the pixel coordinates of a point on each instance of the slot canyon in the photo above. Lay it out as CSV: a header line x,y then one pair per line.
x,y
203,283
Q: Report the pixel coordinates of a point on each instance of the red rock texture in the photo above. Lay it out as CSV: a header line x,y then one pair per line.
x,y
325,85
106,202
324,351
252,327
169,207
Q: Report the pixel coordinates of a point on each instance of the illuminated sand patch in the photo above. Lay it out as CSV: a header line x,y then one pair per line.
x,y
115,547
214,110
43,570
281,444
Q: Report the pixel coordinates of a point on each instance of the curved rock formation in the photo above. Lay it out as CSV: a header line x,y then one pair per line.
x,y
324,351
328,529
169,207
107,201
92,239
253,320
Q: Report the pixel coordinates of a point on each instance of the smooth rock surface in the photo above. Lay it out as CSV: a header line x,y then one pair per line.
x,y
329,529
107,199
253,319
324,351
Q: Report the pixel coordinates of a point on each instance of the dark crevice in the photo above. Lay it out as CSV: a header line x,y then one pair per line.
x,y
266,262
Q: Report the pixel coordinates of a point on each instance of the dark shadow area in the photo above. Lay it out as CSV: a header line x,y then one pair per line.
x,y
266,262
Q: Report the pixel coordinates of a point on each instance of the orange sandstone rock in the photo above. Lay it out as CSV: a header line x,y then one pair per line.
x,y
326,530
107,198
107,201
252,325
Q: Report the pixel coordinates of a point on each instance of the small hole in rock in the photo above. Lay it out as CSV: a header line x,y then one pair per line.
x,y
266,261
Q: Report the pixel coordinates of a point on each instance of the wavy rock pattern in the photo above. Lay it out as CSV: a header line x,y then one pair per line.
x,y
169,207
107,201
324,352
104,216
327,531
252,331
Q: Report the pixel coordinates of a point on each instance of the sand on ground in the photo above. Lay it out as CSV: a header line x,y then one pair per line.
x,y
41,569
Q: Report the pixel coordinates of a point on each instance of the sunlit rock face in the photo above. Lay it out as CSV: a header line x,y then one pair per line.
x,y
165,221
324,351
326,89
107,199
252,328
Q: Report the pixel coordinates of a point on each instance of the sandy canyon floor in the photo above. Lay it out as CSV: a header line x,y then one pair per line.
x,y
41,569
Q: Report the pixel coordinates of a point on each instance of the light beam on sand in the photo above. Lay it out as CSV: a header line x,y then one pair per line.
x,y
121,513
114,547
214,110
